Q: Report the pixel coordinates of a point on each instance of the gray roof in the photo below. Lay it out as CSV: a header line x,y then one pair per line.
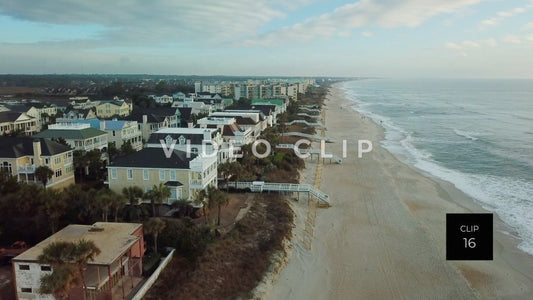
x,y
154,158
154,115
11,147
9,116
71,134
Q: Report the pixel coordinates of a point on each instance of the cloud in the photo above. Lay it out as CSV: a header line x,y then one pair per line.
x,y
528,26
466,45
453,46
138,21
501,15
383,14
512,39
367,34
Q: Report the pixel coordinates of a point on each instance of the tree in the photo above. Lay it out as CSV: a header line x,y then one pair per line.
x,y
80,204
184,207
44,174
118,202
201,200
126,149
84,251
8,182
133,194
103,201
157,195
154,226
53,206
218,198
68,261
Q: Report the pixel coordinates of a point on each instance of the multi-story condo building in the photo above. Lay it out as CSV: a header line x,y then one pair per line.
x,y
20,156
112,274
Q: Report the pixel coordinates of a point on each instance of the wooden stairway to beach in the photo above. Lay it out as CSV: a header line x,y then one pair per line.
x,y
314,124
260,186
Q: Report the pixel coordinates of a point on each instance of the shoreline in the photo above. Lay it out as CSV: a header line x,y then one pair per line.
x,y
384,236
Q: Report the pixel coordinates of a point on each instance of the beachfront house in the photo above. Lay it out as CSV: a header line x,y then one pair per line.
x,y
112,274
78,136
150,120
184,173
13,122
20,156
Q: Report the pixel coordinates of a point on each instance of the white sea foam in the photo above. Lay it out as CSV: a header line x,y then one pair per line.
x,y
466,134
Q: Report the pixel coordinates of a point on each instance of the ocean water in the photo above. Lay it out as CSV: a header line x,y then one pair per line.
x,y
476,134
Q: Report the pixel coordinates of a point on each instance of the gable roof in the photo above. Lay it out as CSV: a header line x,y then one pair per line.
x,y
185,113
10,116
154,115
154,158
12,147
71,134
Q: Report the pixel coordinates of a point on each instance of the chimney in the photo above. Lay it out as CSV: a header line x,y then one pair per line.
x,y
207,135
145,119
102,124
37,152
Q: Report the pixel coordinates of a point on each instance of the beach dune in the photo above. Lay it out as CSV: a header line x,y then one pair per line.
x,y
384,235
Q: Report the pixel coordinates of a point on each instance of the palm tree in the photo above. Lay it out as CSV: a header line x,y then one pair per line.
x,y
132,193
117,203
84,251
201,200
158,193
220,199
103,201
154,226
59,282
184,207
68,261
44,174
53,206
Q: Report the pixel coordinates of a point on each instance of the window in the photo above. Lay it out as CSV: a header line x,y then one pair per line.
x,y
24,267
161,174
114,173
57,160
130,174
25,290
113,133
46,268
146,175
46,161
173,175
59,173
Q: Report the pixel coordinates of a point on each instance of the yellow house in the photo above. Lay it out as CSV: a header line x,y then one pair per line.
x,y
20,156
108,109
185,174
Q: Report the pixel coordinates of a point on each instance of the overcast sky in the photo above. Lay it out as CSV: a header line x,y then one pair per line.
x,y
388,38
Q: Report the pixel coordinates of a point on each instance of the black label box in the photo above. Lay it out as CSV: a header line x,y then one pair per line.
x,y
469,236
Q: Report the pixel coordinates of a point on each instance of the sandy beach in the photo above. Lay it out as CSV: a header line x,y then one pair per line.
x,y
384,235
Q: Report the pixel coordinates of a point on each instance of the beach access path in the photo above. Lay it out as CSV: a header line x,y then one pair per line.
x,y
384,235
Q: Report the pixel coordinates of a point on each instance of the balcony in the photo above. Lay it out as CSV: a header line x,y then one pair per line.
x,y
27,169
